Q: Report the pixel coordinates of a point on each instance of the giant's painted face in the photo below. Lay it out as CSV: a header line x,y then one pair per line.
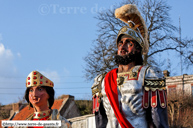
x,y
38,96
126,46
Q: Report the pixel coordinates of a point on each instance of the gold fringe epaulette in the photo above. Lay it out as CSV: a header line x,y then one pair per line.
x,y
154,84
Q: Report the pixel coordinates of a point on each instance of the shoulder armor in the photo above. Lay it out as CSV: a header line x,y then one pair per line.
x,y
96,87
55,114
153,73
154,88
96,92
154,79
154,84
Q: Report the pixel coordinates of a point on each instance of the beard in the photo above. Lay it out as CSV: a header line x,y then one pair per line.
x,y
128,58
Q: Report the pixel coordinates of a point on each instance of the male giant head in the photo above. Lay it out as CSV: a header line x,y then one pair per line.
x,y
132,39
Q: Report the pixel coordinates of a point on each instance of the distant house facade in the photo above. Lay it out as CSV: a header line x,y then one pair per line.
x,y
179,84
86,121
11,109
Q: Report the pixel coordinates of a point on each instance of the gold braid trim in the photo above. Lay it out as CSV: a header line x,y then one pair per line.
x,y
151,84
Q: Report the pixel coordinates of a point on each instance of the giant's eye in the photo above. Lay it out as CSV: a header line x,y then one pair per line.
x,y
129,42
120,43
30,90
40,89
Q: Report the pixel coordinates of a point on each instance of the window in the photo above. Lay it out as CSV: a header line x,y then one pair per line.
x,y
172,89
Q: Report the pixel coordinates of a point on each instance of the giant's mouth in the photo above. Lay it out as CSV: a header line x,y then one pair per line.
x,y
124,52
36,99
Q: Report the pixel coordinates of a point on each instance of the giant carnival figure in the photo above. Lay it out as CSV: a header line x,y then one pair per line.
x,y
132,95
40,96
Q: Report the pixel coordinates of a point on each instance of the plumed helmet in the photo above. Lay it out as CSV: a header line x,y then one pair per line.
x,y
136,28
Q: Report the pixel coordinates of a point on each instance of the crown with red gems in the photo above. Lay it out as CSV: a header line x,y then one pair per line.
x,y
35,78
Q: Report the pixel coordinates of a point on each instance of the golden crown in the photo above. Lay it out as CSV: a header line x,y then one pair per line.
x,y
35,78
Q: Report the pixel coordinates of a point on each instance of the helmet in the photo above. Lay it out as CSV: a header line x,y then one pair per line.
x,y
136,28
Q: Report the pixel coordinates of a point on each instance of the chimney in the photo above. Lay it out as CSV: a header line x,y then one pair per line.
x,y
166,73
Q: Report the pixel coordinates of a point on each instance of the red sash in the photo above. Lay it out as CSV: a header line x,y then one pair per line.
x,y
112,94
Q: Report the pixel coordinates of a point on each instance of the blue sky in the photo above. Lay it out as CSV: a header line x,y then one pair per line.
x,y
53,36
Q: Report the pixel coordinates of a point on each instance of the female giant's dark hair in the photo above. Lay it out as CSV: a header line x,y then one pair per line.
x,y
50,91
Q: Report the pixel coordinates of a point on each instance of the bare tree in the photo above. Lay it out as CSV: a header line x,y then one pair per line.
x,y
160,30
101,59
180,110
4,113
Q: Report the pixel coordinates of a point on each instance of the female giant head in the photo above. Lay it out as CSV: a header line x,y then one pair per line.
x,y
39,92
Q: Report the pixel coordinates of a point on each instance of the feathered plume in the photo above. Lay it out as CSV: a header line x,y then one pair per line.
x,y
130,15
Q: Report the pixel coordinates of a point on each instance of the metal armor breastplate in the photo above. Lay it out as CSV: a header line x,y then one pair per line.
x,y
130,94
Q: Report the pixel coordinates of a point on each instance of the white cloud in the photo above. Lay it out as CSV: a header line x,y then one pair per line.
x,y
5,52
6,66
10,83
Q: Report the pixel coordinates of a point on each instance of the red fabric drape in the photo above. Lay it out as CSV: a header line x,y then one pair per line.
x,y
112,94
